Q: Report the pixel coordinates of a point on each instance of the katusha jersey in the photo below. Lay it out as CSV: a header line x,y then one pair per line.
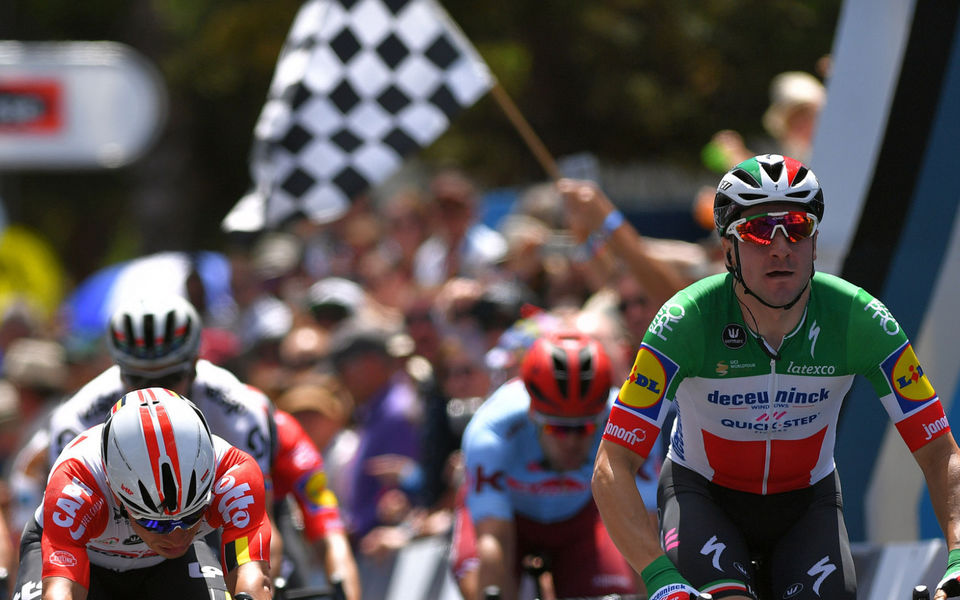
x,y
235,411
759,424
83,523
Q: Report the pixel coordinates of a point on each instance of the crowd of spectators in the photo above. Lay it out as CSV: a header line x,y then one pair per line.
x,y
381,333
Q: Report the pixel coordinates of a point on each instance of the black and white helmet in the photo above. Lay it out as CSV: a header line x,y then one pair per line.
x,y
765,179
159,455
154,336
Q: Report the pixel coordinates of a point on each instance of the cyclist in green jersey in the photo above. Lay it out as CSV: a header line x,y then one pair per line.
x,y
757,362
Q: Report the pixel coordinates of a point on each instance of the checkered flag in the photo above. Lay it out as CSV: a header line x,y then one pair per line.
x,y
360,84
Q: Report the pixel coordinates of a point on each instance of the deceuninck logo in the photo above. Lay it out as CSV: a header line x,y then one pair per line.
x,y
905,375
648,382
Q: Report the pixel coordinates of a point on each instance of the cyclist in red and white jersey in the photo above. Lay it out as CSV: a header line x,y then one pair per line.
x,y
757,362
129,501
155,342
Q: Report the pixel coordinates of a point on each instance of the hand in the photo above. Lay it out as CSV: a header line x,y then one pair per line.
x,y
664,582
949,586
586,206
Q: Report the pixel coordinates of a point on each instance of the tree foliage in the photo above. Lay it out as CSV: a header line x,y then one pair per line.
x,y
627,80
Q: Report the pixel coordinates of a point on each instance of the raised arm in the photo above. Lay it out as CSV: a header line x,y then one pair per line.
x,y
591,213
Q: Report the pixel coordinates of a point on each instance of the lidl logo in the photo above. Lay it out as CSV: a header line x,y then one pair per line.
x,y
906,377
317,492
651,375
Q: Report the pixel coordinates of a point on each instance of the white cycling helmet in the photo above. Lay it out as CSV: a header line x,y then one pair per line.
x,y
159,455
154,336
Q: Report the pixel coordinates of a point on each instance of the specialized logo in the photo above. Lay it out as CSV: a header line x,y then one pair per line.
x,y
821,570
906,378
648,381
734,336
881,314
812,336
669,313
715,548
62,558
234,501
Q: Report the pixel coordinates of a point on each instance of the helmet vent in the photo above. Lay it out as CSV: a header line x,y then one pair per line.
x,y
749,197
586,371
145,495
128,329
169,484
800,175
191,489
148,331
774,170
560,371
802,194
170,327
745,177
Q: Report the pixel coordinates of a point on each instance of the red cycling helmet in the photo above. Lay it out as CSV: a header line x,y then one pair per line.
x,y
568,377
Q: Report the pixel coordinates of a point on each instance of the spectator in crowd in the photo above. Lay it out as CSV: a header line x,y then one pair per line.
x,y
461,246
387,416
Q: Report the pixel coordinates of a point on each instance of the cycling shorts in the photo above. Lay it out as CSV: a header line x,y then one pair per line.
x,y
717,536
578,552
194,576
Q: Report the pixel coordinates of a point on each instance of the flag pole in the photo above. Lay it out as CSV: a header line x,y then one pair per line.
x,y
529,136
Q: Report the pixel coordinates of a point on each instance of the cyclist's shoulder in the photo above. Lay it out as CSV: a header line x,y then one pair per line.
x,y
502,413
91,402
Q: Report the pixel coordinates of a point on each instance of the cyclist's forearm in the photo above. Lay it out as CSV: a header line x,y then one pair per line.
x,y
61,588
340,564
252,578
621,506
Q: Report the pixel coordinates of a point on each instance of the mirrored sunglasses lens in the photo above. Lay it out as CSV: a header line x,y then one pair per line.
x,y
164,526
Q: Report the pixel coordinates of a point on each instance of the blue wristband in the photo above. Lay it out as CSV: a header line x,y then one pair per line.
x,y
611,223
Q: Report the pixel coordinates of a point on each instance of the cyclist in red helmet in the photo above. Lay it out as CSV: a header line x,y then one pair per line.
x,y
529,455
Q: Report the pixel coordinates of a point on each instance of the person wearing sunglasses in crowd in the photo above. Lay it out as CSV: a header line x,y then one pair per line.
x,y
129,502
757,362
528,452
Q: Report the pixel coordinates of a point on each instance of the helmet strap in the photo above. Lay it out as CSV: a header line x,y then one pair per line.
x,y
738,276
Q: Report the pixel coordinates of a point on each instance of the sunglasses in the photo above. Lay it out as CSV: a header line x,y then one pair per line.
x,y
582,430
760,229
165,526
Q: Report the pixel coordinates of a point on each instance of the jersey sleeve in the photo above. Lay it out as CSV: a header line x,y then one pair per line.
x,y
643,402
298,469
74,512
486,455
239,508
880,350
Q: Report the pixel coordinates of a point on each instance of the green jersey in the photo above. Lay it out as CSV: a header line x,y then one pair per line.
x,y
764,421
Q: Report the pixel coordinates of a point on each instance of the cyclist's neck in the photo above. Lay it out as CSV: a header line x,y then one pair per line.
x,y
770,324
